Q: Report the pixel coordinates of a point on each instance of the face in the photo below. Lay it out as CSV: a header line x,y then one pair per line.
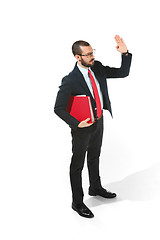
x,y
87,60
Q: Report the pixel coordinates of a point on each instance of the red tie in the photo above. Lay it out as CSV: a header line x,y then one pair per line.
x,y
96,95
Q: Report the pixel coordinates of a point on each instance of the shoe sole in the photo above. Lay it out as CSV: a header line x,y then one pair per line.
x,y
94,194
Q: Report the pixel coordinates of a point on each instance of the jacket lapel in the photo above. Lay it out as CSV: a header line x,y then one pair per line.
x,y
81,81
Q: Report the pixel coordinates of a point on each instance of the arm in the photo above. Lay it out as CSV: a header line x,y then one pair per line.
x,y
61,103
124,69
62,99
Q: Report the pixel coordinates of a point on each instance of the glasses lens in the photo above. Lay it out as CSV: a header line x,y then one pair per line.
x,y
91,54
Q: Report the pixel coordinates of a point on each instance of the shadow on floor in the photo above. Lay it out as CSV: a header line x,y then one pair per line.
x,y
140,186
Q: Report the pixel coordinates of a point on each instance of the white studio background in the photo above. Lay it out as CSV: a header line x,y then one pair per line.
x,y
35,53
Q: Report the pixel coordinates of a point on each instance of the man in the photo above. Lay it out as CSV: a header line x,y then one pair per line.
x,y
88,78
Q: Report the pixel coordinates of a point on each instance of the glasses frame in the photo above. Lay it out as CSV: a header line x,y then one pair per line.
x,y
88,54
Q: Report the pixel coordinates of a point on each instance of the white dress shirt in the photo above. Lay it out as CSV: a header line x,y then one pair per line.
x,y
84,72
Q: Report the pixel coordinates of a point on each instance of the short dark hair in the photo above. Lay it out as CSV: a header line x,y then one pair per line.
x,y
76,47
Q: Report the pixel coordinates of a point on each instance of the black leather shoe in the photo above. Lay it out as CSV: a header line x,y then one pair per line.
x,y
101,192
82,210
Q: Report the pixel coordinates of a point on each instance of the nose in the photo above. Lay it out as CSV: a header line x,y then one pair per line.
x,y
92,55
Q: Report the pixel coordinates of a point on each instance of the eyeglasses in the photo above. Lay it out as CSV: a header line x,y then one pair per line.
x,y
88,54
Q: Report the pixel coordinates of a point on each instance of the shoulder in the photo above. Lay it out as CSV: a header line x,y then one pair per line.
x,y
97,64
98,67
72,74
70,78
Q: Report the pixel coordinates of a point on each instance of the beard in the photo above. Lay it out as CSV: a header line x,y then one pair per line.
x,y
85,64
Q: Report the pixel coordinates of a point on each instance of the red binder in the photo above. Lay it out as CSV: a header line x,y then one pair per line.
x,y
80,107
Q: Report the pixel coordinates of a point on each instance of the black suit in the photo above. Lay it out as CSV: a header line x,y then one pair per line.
x,y
87,139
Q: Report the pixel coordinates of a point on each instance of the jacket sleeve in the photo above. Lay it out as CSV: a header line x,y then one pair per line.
x,y
123,71
64,93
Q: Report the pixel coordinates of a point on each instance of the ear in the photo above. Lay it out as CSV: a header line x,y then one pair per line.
x,y
77,57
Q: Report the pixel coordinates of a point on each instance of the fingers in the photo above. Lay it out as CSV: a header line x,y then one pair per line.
x,y
89,124
85,123
121,46
122,40
87,120
118,40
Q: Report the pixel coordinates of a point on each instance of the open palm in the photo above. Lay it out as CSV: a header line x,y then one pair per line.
x,y
121,46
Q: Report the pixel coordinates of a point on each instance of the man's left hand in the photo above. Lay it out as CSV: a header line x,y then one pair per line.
x,y
121,46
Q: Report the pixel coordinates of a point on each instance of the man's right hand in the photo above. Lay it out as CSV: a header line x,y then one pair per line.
x,y
84,123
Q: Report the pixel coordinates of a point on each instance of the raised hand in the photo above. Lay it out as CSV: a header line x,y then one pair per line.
x,y
121,46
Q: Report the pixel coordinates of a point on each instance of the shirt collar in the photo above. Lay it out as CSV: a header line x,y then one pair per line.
x,y
84,71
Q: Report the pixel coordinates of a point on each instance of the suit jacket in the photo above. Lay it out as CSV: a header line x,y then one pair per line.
x,y
75,84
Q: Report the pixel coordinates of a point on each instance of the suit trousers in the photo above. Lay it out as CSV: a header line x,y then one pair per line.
x,y
85,140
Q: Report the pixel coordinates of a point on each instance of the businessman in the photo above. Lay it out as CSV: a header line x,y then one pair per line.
x,y
89,77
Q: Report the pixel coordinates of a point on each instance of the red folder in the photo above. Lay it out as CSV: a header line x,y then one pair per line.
x,y
80,107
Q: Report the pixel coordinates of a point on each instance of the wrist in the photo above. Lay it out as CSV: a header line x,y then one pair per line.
x,y
125,53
